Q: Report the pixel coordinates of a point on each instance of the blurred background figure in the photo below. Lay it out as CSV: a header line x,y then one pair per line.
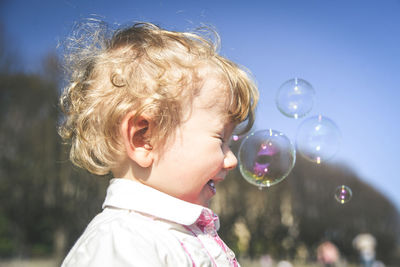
x,y
266,261
284,264
365,244
328,254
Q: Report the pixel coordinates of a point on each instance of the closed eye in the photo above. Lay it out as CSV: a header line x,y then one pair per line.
x,y
220,138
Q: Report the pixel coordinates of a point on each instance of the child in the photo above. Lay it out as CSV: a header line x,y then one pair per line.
x,y
156,108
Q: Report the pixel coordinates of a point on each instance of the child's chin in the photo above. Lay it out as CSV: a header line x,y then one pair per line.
x,y
202,202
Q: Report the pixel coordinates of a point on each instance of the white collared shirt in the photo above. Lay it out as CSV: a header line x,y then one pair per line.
x,y
140,226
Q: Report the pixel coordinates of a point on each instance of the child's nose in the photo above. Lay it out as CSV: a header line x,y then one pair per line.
x,y
230,160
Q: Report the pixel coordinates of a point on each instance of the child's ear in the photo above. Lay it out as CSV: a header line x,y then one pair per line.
x,y
135,132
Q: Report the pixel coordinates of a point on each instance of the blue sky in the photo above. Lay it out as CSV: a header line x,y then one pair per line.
x,y
347,49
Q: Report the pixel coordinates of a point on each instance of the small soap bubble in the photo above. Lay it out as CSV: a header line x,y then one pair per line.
x,y
295,98
266,157
235,138
318,139
238,133
343,194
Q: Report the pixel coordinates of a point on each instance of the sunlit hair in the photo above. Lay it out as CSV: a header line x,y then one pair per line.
x,y
140,68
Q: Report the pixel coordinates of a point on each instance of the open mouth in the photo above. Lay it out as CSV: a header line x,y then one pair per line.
x,y
211,184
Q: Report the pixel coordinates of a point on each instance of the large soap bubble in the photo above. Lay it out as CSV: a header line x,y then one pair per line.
x,y
318,139
295,98
266,157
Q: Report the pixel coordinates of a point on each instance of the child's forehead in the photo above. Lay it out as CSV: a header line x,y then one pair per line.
x,y
214,90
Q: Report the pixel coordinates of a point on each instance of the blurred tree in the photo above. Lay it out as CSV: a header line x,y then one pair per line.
x,y
28,150
9,58
301,212
48,202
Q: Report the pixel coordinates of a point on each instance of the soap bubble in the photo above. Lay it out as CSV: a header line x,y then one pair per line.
x,y
295,98
266,157
343,194
238,133
235,137
318,139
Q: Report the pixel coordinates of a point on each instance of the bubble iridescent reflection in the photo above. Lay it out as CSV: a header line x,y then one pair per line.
x,y
295,98
266,157
343,194
318,139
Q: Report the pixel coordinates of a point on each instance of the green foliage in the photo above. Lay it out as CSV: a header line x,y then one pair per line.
x,y
41,191
7,245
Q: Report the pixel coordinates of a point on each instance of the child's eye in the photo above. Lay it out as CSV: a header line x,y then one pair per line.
x,y
221,138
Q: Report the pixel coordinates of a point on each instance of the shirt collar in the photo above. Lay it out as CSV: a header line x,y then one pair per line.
x,y
131,195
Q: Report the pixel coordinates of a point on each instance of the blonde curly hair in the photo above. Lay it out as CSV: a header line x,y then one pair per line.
x,y
140,68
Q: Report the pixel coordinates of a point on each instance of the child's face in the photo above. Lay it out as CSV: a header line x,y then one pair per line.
x,y
198,157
